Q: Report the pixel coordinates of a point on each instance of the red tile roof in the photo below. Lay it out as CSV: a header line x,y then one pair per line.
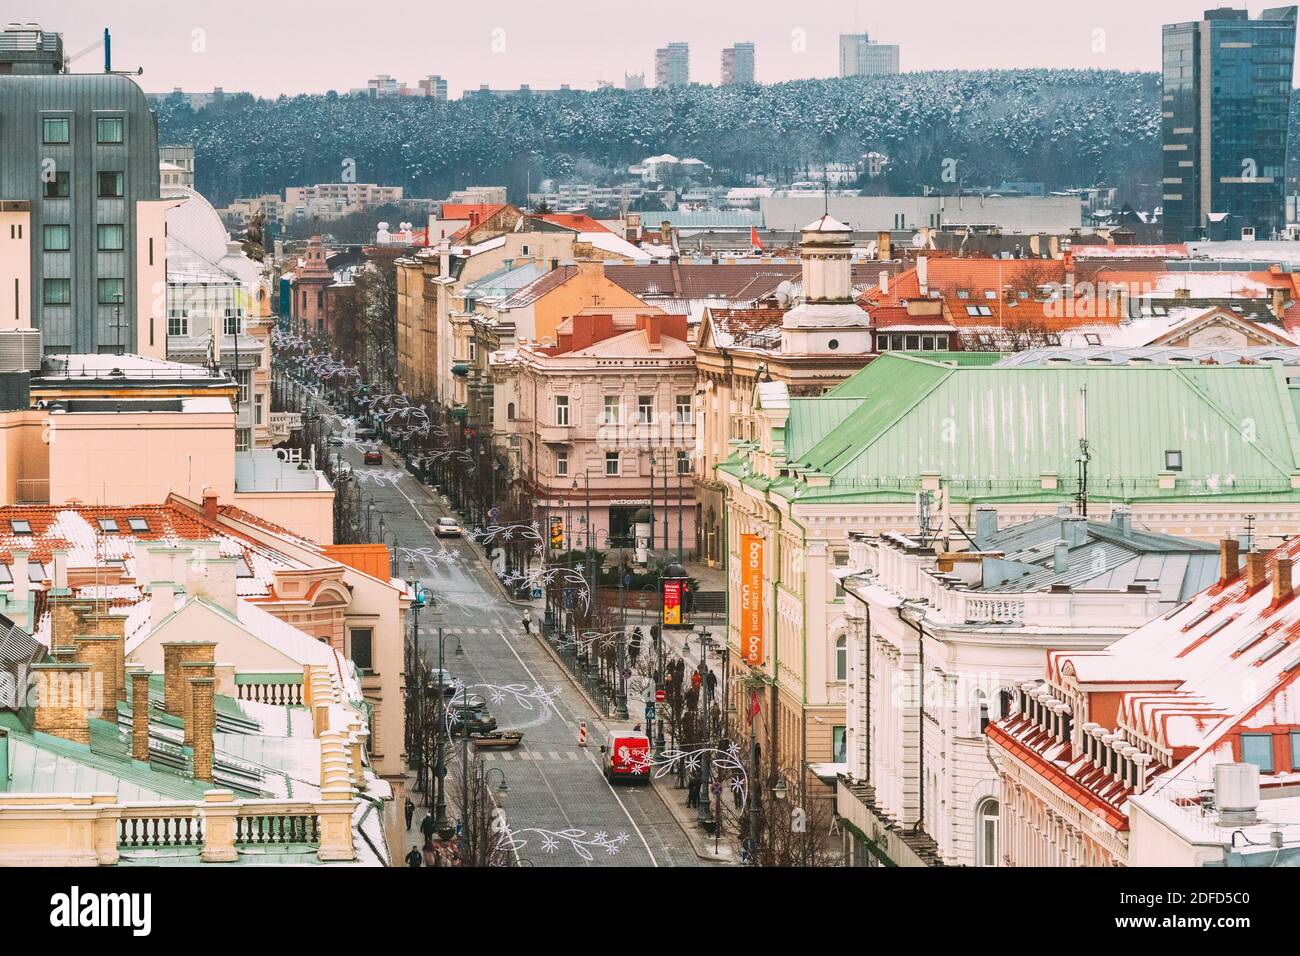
x,y
574,221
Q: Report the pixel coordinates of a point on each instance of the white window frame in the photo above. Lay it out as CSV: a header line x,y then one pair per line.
x,y
562,463
562,410
986,842
615,459
683,413
613,404
178,322
645,411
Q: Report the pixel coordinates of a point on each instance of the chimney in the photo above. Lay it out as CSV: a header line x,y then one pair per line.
x,y
203,718
1074,530
95,651
1121,519
62,701
190,672
1281,581
1229,560
217,582
59,559
139,713
1061,558
986,524
111,626
176,654
18,571
884,283
884,245
653,328
162,601
1256,576
210,505
1182,295
923,275
1236,793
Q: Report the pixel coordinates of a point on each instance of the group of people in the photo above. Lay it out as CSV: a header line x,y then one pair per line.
x,y
435,852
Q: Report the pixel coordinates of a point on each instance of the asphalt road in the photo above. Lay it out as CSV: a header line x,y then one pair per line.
x,y
559,807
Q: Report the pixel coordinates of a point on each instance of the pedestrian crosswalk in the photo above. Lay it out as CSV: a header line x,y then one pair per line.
x,y
461,629
531,756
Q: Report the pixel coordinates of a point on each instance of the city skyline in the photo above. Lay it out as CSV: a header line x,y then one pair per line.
x,y
518,44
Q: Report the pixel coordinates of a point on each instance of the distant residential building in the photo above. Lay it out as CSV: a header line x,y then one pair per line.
x,y
384,87
673,65
80,184
738,64
634,81
565,196
181,157
524,90
332,200
478,196
1226,103
862,56
434,87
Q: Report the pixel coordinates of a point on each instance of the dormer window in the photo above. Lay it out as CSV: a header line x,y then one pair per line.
x,y
20,526
137,524
1173,461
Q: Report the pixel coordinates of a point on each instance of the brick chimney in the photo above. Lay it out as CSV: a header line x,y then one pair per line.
x,y
62,701
210,505
1229,560
176,653
1282,590
96,652
203,716
139,713
113,626
1256,576
190,672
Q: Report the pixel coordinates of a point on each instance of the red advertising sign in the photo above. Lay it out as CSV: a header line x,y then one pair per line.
x,y
751,599
673,588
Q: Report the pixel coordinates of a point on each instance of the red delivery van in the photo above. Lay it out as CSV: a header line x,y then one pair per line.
x,y
626,756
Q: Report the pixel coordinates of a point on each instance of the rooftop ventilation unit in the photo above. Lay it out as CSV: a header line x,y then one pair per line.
x,y
1236,793
20,350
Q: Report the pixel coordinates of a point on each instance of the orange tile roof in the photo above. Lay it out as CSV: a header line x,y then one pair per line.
x,y
576,221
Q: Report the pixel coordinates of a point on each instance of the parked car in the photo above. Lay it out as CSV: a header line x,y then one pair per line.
x,y
443,679
373,456
478,720
447,528
334,441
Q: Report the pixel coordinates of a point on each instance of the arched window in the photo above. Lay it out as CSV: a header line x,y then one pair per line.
x,y
986,832
510,412
981,699
842,657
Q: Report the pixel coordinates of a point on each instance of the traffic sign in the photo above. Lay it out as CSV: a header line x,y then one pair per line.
x,y
660,696
649,712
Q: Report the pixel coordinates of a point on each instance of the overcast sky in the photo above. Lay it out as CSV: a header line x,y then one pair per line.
x,y
269,48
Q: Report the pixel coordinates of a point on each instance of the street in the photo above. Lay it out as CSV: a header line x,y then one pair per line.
x,y
560,809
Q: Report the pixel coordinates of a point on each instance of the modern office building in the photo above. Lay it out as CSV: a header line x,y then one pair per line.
x,y
673,65
862,56
1225,104
738,64
79,180
182,157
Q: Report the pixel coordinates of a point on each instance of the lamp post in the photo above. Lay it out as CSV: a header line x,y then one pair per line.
x,y
704,816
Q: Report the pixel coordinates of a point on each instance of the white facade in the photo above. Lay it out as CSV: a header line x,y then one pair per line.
x,y
977,649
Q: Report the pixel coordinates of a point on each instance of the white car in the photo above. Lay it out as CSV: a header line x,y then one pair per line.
x,y
447,528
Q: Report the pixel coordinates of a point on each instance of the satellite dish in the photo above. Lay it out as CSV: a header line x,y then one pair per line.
x,y
918,241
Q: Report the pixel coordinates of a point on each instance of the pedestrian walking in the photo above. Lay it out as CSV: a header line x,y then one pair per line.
x,y
414,859
430,854
713,684
693,792
528,621
410,812
426,827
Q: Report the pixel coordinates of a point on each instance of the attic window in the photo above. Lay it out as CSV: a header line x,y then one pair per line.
x,y
35,572
990,294
242,570
107,524
1173,461
20,525
138,524
1092,338
5,576
963,294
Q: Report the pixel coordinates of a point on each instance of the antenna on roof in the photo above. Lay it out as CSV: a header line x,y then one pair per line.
x,y
1250,533
1081,496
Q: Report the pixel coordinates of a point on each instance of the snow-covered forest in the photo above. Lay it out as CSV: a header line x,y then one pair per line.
x,y
1065,128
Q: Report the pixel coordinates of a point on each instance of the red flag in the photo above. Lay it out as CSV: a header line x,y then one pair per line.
x,y
753,705
426,236
753,238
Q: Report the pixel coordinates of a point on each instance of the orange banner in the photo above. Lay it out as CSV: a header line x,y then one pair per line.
x,y
751,599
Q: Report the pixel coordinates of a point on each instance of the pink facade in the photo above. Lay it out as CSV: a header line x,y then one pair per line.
x,y
602,425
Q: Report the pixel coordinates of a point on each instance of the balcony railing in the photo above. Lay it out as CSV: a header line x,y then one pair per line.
x,y
160,825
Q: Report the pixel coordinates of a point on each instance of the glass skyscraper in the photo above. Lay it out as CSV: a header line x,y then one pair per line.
x,y
1225,103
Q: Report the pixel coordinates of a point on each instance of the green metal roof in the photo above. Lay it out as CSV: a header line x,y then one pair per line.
x,y
959,358
991,432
